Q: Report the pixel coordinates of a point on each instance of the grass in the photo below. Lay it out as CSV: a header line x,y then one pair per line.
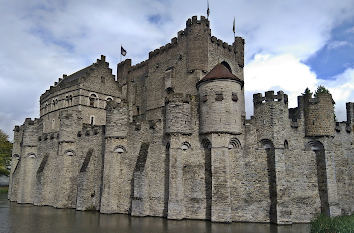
x,y
4,190
340,224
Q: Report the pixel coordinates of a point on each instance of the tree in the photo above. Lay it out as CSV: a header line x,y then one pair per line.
x,y
307,92
5,153
321,90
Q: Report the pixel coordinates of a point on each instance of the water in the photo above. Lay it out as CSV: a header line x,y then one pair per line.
x,y
15,218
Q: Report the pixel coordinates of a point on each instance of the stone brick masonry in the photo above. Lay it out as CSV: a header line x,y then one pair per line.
x,y
168,137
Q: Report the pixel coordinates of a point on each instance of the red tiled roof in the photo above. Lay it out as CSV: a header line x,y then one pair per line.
x,y
220,71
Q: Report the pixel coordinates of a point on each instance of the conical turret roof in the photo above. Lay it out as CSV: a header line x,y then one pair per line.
x,y
220,71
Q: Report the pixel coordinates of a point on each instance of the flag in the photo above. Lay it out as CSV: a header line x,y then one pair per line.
x,y
123,51
233,27
208,10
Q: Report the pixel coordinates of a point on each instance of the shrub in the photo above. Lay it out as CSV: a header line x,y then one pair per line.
x,y
340,224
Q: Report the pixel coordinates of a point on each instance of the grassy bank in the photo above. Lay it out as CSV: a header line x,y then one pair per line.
x,y
340,224
4,189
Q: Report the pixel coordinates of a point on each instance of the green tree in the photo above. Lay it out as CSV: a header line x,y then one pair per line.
x,y
5,153
307,92
321,90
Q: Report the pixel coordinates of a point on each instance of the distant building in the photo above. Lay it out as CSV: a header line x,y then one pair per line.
x,y
168,137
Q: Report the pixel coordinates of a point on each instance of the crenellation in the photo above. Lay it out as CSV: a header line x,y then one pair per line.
x,y
169,138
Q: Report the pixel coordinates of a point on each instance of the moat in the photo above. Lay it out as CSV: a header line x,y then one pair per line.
x,y
16,218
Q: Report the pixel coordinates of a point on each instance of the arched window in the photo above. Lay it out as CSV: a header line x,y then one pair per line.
x,y
109,99
70,100
119,149
66,101
69,153
234,144
286,144
185,146
31,155
93,100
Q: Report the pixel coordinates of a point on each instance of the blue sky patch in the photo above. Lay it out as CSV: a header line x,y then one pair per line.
x,y
338,53
48,38
155,19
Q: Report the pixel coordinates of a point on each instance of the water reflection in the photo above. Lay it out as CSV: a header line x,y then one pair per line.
x,y
32,219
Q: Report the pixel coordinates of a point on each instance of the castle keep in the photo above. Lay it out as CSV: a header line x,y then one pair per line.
x,y
168,137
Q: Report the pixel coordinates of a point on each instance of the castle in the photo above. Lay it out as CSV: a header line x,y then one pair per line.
x,y
168,137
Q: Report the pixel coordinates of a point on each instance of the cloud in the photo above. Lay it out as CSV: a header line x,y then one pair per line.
x,y
281,72
342,89
289,74
338,44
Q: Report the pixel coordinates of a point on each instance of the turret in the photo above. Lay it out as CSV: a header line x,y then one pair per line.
x,y
239,45
220,105
198,34
271,116
350,115
319,115
29,133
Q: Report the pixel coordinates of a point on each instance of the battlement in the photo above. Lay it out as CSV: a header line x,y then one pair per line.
x,y
343,127
321,97
270,97
29,121
49,136
70,80
178,98
194,21
182,34
319,114
164,48
91,130
221,43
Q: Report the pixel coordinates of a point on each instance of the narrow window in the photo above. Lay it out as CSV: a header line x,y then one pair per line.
x,y
93,98
66,100
234,97
103,79
204,98
108,99
92,120
286,144
219,96
53,123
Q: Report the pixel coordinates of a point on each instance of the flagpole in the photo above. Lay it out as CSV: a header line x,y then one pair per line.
x,y
120,53
233,28
208,10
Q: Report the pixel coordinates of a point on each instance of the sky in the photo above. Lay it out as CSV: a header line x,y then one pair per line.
x,y
290,45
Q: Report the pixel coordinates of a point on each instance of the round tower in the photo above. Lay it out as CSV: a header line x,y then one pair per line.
x,y
220,106
319,115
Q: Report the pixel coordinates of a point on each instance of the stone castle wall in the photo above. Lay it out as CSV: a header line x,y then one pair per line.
x,y
164,144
